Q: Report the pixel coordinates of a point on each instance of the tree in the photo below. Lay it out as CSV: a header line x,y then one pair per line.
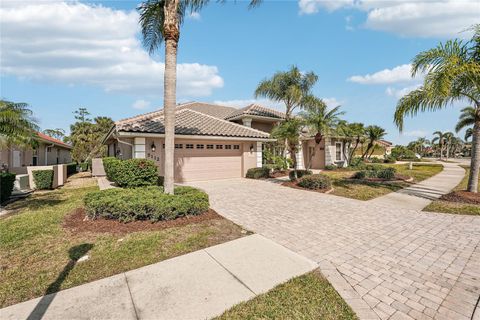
x,y
452,74
440,137
57,133
320,122
449,139
292,87
468,134
373,133
17,124
160,22
354,134
290,132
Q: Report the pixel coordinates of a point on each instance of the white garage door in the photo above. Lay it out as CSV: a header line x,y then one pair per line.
x,y
204,161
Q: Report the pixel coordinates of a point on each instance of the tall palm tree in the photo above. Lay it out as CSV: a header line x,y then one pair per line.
x,y
291,87
440,137
290,132
374,133
452,75
449,141
17,124
160,21
468,134
320,122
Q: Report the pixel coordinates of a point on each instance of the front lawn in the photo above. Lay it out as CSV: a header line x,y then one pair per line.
x,y
444,206
36,250
309,296
363,190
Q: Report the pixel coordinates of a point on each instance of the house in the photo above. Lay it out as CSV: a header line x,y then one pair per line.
x,y
48,151
211,141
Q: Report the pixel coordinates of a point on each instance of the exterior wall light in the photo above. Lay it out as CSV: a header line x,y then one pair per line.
x,y
153,147
251,147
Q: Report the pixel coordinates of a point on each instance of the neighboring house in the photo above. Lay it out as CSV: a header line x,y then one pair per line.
x,y
387,145
211,141
49,151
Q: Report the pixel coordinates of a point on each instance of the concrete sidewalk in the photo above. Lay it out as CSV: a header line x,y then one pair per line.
x,y
419,195
198,285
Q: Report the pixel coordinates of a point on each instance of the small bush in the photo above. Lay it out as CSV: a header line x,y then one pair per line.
x,y
376,160
315,182
83,166
7,181
387,173
382,173
330,167
360,175
403,153
135,173
373,167
357,163
389,159
43,179
110,165
71,168
258,173
145,203
300,173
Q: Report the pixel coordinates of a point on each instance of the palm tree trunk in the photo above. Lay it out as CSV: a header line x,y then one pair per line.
x,y
475,162
172,34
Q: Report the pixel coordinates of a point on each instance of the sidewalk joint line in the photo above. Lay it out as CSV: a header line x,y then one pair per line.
x,y
237,278
131,297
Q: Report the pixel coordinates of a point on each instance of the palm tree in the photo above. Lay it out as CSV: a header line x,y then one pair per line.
x,y
354,134
290,132
374,133
440,137
320,121
160,21
468,134
291,87
449,140
452,75
17,124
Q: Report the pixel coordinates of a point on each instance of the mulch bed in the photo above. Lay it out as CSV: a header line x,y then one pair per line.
x,y
294,185
462,197
278,174
76,222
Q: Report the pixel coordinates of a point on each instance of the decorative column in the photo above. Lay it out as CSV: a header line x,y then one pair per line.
x,y
259,155
139,148
300,161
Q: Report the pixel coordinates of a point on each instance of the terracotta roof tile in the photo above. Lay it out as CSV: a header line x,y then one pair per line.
x,y
256,110
44,137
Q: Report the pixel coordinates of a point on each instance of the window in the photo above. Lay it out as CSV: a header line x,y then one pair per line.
x,y
236,147
338,151
228,146
219,146
209,146
189,146
200,146
178,146
163,146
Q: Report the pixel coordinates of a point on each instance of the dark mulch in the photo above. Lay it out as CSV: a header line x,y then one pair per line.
x,y
462,197
76,222
293,184
278,174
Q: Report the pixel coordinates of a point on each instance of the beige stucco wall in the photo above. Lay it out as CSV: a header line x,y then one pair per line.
x,y
318,160
262,126
59,174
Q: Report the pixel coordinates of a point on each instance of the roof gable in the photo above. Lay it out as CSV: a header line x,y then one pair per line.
x,y
256,110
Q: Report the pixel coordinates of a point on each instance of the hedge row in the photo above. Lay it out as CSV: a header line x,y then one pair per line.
x,y
71,168
381,173
146,203
131,173
43,179
7,181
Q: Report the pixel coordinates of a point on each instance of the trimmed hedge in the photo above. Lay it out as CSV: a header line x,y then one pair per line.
x,y
300,173
71,168
258,173
7,181
146,203
330,167
43,179
315,182
131,173
110,165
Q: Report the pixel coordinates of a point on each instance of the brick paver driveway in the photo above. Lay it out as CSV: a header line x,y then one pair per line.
x,y
403,263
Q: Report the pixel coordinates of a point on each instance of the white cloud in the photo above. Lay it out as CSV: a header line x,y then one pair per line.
x,y
434,18
195,16
332,102
399,93
141,104
79,44
415,133
386,76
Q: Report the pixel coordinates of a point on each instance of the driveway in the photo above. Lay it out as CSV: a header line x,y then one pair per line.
x,y
402,263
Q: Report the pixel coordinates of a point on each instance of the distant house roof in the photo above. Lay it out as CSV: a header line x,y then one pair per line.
x,y
255,110
385,143
189,122
43,137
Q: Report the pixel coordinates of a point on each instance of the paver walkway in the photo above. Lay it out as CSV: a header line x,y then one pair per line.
x,y
386,262
421,194
198,285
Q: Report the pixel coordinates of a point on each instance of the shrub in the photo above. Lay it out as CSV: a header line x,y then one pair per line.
x,y
7,181
382,173
357,163
258,173
145,203
110,165
83,166
300,173
315,182
43,179
387,173
280,163
135,173
330,167
403,153
376,160
389,159
360,174
71,168
373,167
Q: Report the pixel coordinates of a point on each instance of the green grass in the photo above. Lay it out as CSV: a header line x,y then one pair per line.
x,y
306,297
455,207
361,190
36,251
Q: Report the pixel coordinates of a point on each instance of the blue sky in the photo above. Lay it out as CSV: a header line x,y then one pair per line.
x,y
58,56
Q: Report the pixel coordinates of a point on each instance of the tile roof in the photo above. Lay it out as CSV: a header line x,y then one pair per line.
x,y
214,110
189,122
256,110
44,137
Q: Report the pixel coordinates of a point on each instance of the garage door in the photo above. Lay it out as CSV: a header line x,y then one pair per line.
x,y
202,161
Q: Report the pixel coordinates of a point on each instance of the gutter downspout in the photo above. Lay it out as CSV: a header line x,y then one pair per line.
x,y
128,144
